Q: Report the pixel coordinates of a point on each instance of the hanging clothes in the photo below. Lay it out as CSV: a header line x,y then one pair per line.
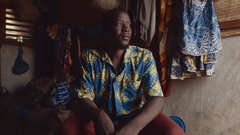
x,y
124,5
196,39
164,56
59,51
164,30
67,65
201,34
67,53
67,58
165,14
185,66
160,45
75,50
143,17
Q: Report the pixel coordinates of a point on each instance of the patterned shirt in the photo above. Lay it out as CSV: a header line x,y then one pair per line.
x,y
119,94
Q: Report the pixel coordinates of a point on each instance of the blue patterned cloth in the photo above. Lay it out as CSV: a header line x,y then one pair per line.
x,y
186,66
196,39
122,94
201,33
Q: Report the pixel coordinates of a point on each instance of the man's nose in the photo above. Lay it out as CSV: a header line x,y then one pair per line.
x,y
126,28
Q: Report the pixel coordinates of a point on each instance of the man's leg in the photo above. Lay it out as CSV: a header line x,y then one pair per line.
x,y
162,125
75,125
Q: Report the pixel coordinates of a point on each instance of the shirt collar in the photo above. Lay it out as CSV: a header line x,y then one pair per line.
x,y
104,56
127,53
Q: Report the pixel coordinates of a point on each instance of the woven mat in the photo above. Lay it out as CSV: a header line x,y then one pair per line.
x,y
227,10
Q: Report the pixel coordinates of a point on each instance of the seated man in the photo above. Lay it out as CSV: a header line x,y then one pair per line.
x,y
119,90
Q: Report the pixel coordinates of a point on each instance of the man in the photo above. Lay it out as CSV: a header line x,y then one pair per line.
x,y
119,88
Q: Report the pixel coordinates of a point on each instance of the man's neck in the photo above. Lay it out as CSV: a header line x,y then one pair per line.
x,y
116,56
115,53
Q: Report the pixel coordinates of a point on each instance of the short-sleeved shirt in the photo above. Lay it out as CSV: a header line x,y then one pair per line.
x,y
119,94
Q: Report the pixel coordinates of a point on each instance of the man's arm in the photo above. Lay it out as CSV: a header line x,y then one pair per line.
x,y
150,110
85,106
88,109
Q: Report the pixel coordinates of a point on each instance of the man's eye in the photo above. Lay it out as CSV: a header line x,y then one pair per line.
x,y
119,24
129,25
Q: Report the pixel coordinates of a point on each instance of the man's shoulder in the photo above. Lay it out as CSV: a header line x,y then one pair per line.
x,y
134,51
139,51
89,52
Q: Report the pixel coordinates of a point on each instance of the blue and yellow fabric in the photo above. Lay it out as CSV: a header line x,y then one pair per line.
x,y
185,66
119,94
197,38
201,34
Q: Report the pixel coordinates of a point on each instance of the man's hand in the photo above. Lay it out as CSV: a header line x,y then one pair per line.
x,y
89,110
150,110
127,130
103,124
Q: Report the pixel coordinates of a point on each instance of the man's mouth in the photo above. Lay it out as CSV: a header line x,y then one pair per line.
x,y
125,37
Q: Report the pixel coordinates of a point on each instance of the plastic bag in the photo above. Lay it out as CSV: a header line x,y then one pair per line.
x,y
20,66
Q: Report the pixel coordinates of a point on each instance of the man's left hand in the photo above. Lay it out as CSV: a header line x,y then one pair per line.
x,y
127,130
150,110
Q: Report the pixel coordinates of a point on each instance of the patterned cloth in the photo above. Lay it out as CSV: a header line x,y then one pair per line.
x,y
201,34
165,32
61,95
143,18
186,66
120,94
196,39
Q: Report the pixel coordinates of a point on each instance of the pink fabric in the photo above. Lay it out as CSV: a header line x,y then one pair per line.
x,y
161,125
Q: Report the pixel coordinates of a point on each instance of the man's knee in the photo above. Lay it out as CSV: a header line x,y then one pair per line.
x,y
76,126
174,130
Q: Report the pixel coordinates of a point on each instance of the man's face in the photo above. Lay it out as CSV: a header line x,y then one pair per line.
x,y
122,30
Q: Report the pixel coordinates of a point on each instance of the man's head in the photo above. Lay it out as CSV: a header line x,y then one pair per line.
x,y
117,28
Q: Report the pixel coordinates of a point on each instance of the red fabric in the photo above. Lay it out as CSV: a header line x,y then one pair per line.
x,y
75,125
161,125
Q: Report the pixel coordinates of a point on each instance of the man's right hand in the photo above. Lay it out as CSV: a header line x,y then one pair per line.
x,y
103,124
